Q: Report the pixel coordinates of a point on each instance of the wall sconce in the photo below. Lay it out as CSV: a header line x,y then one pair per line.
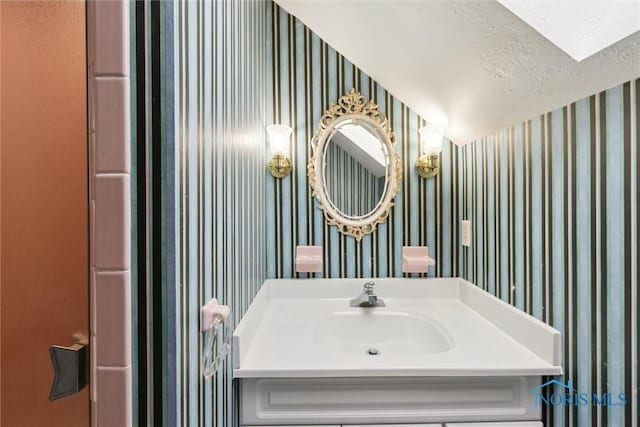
x,y
428,164
280,164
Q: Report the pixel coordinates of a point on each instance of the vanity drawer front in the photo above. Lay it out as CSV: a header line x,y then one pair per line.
x,y
407,400
498,424
392,425
358,425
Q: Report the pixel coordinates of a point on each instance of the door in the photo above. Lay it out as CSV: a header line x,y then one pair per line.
x,y
43,206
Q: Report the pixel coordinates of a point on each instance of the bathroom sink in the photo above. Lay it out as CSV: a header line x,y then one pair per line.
x,y
377,331
316,328
441,350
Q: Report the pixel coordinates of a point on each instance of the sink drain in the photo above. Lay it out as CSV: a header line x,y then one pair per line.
x,y
373,351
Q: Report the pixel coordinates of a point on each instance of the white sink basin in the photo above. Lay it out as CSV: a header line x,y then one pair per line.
x,y
305,328
380,331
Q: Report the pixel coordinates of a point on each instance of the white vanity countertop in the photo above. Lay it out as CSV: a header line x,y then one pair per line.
x,y
279,335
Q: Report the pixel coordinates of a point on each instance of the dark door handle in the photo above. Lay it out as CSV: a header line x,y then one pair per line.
x,y
69,368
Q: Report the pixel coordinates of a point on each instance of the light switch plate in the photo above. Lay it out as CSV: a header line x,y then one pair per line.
x,y
466,232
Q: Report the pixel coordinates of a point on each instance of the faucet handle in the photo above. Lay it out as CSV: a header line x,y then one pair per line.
x,y
368,287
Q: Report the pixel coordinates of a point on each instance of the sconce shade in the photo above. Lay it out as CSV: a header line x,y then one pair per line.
x,y
279,136
431,138
279,139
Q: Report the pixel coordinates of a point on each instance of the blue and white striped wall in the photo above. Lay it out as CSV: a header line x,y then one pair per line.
x,y
554,207
220,54
307,76
553,202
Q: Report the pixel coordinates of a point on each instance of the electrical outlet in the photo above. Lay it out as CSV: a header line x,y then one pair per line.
x,y
466,232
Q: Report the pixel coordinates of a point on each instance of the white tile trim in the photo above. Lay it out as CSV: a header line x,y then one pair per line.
x,y
110,194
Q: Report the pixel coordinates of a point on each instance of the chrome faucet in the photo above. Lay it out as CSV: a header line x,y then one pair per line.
x,y
367,298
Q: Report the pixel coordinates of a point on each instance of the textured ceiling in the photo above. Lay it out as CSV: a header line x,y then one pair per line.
x,y
472,64
579,27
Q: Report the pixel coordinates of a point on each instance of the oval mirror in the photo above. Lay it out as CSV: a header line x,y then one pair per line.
x,y
354,171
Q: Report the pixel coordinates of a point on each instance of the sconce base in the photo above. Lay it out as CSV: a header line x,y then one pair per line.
x,y
428,165
280,166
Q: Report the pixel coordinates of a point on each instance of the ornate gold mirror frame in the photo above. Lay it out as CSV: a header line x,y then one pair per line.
x,y
354,106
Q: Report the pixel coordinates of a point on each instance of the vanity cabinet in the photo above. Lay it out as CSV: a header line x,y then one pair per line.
x,y
485,424
390,402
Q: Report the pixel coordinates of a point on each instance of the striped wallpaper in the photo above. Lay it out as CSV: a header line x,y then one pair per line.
x,y
553,202
220,54
554,207
308,75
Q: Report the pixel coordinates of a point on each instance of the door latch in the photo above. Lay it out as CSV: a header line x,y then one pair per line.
x,y
69,367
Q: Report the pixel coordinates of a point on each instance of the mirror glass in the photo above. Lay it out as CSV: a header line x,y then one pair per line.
x,y
355,166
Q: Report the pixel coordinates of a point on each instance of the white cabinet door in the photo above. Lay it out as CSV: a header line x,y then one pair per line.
x,y
498,424
392,425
